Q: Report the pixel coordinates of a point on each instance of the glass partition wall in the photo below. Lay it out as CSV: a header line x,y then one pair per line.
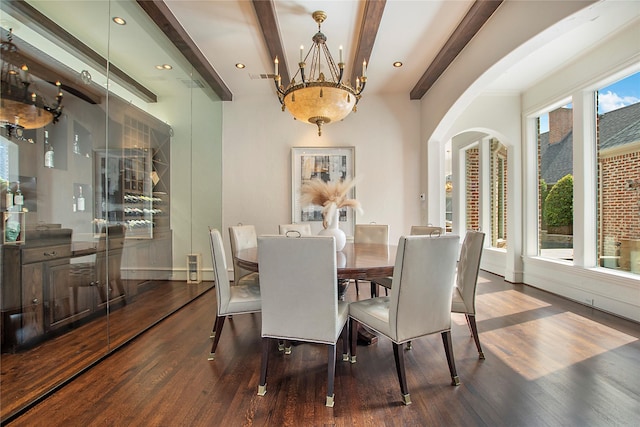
x,y
96,227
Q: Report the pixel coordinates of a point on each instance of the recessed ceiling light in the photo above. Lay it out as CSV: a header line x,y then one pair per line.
x,y
397,64
240,65
119,21
164,67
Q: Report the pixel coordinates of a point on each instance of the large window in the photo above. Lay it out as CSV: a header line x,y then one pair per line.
x,y
555,177
498,194
618,144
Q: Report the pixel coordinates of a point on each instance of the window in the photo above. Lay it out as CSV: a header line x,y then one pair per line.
x,y
498,194
618,145
555,176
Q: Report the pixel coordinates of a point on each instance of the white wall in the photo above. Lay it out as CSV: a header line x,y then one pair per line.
x,y
257,143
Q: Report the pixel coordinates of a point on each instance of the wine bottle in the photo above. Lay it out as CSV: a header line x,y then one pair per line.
x,y
18,198
75,205
80,201
76,145
48,154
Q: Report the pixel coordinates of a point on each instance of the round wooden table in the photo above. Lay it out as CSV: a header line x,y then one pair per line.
x,y
362,261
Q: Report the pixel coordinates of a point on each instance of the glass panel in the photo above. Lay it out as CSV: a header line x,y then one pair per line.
x,y
618,130
498,194
555,210
97,229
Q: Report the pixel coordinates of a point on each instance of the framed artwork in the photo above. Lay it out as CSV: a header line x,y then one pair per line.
x,y
329,164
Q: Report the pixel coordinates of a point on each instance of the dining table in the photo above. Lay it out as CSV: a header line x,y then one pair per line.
x,y
356,261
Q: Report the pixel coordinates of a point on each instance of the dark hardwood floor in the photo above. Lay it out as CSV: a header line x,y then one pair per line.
x,y
549,362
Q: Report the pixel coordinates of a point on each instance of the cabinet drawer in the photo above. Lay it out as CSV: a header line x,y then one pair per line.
x,y
45,253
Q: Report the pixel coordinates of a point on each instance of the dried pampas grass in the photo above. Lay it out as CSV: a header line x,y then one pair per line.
x,y
329,195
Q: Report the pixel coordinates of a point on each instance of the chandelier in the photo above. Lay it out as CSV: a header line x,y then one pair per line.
x,y
319,97
22,108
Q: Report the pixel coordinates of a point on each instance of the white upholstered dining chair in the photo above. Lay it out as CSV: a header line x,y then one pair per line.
x,y
416,230
464,292
419,304
238,299
243,237
371,233
300,298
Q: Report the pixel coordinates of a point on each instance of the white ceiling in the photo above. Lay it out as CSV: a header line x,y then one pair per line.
x,y
228,32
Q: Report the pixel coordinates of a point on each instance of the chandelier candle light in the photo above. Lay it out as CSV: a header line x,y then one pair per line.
x,y
319,98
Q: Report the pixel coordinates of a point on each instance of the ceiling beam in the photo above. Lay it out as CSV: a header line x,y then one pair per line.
x,y
81,50
371,18
160,14
266,14
478,14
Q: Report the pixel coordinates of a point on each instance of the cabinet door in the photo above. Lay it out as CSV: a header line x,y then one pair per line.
x,y
32,322
68,300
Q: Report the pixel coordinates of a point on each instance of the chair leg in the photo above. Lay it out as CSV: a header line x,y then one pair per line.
x,y
213,330
353,326
398,355
218,324
331,373
374,290
345,342
448,349
262,387
474,331
357,287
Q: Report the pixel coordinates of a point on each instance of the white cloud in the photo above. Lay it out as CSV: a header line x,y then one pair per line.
x,y
612,101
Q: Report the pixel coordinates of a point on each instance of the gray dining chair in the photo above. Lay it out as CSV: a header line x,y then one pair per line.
x,y
300,298
241,298
419,304
464,292
370,233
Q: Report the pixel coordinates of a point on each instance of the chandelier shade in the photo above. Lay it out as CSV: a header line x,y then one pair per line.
x,y
21,107
316,98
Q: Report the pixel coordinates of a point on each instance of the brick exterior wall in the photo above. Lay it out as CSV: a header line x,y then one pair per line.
x,y
472,194
498,185
619,205
560,124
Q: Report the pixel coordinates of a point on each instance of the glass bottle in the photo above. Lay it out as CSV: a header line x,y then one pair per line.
x,y
76,145
80,201
48,153
18,198
75,205
9,197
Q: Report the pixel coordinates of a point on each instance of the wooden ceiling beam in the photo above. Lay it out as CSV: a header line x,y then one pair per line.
x,y
476,17
373,10
266,14
160,14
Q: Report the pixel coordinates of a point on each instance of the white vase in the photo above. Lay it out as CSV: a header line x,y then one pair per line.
x,y
335,231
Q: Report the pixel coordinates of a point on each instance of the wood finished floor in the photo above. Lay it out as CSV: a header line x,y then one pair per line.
x,y
549,362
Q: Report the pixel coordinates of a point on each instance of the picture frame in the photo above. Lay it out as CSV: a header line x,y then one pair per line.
x,y
329,164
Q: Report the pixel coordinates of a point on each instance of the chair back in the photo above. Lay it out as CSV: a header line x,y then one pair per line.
x,y
426,230
468,268
423,276
241,237
219,271
303,229
371,233
298,284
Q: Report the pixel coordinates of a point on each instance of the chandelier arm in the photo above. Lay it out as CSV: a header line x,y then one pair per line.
x,y
278,88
